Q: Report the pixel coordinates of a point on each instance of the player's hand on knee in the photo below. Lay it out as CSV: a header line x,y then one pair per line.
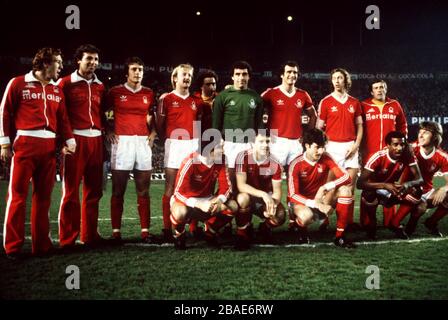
x,y
320,194
269,201
204,205
395,188
439,196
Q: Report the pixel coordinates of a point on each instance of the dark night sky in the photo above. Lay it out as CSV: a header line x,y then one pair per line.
x,y
169,31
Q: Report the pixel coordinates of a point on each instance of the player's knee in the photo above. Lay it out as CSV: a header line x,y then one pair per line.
x,y
143,194
421,209
345,191
179,212
243,200
369,198
304,215
232,205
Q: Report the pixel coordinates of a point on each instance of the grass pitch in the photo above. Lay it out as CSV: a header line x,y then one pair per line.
x,y
408,270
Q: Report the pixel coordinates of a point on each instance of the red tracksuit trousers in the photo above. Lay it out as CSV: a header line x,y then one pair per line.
x,y
34,159
85,164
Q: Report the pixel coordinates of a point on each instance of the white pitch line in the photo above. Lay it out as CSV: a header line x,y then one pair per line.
x,y
292,245
313,245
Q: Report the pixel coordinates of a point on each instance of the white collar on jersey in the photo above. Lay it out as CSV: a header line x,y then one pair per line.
x,y
310,162
342,99
388,157
430,155
75,77
29,77
286,93
132,90
180,96
256,161
205,162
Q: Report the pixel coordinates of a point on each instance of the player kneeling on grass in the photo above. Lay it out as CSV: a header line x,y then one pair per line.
x,y
430,159
259,181
194,194
379,178
312,196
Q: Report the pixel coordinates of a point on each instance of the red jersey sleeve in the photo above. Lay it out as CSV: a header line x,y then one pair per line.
x,y
278,172
401,123
342,176
9,101
322,111
294,184
182,180
224,184
308,101
63,123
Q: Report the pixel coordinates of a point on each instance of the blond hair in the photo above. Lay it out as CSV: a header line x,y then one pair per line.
x,y
186,66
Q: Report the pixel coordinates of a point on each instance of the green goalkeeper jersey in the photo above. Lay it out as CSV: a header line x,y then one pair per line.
x,y
237,109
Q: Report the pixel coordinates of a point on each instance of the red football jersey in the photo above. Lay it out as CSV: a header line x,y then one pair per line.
x,y
378,122
29,105
259,174
130,109
84,101
306,177
340,117
387,169
429,165
179,112
197,180
285,110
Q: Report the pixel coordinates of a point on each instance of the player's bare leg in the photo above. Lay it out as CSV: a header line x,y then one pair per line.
x,y
170,179
119,185
304,216
142,183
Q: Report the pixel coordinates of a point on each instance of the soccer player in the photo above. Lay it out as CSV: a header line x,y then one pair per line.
x,y
340,115
132,140
195,196
381,115
207,81
176,116
379,178
285,105
236,110
430,159
34,105
84,100
259,180
313,195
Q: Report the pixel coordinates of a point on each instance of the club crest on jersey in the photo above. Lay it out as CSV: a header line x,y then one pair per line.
x,y
123,98
197,178
391,110
334,109
280,102
56,89
319,168
193,106
351,109
433,168
145,100
252,104
298,103
232,103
